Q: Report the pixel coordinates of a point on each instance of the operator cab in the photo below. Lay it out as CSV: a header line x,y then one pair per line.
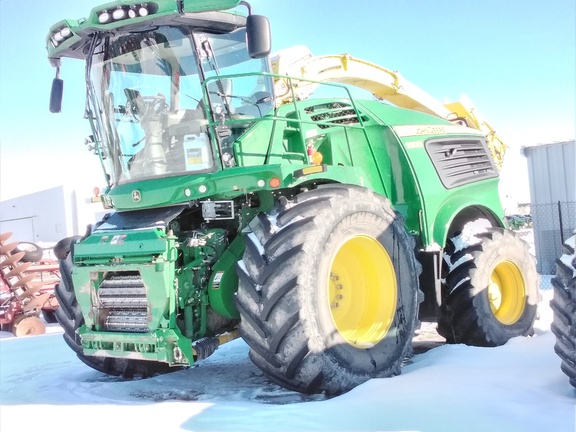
x,y
158,91
171,98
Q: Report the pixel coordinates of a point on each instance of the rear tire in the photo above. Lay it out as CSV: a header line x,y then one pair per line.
x,y
564,306
69,316
490,293
328,293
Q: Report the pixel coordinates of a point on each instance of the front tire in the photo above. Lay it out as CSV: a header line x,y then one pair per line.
x,y
49,316
490,293
328,293
564,306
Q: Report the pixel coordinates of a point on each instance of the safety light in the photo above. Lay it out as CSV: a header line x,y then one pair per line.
x,y
274,182
96,197
119,13
104,17
60,35
143,11
317,158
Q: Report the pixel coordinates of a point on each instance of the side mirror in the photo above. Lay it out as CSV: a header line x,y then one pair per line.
x,y
56,95
258,36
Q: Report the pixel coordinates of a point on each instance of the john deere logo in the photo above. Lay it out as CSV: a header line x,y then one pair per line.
x,y
136,197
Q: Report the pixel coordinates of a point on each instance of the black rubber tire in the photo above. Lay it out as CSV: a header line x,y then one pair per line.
x,y
49,316
63,247
444,324
564,307
466,315
283,297
69,316
32,252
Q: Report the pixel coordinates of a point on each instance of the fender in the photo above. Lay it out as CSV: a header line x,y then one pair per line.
x,y
460,208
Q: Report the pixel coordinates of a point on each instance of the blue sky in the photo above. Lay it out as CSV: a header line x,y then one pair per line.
x,y
515,59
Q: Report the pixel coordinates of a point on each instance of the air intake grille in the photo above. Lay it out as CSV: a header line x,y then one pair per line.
x,y
461,161
333,112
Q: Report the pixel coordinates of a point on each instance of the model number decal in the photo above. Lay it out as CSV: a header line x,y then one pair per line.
x,y
419,130
414,144
118,239
217,279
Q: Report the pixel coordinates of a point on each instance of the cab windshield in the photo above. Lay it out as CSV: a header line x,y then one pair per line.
x,y
156,96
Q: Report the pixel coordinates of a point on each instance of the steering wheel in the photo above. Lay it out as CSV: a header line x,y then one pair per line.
x,y
142,106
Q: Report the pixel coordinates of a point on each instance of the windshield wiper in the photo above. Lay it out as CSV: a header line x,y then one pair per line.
x,y
205,53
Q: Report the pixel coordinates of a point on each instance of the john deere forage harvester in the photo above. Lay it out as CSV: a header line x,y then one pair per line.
x,y
319,228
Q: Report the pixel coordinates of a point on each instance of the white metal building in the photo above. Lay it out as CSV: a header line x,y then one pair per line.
x,y
552,177
49,215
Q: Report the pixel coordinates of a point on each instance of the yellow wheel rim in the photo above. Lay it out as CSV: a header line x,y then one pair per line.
x,y
362,291
507,293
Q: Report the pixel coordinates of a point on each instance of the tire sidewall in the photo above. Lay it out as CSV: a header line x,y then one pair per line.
x,y
495,252
338,225
64,246
563,305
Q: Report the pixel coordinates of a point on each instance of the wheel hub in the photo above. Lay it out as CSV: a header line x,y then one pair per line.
x,y
507,293
362,291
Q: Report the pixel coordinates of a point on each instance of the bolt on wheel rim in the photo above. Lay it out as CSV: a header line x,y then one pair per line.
x,y
362,291
507,293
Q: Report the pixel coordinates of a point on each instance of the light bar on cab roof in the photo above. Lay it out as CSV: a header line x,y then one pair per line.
x,y
60,35
65,38
119,13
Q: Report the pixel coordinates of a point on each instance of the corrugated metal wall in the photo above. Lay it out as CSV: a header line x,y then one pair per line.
x,y
552,177
551,172
48,215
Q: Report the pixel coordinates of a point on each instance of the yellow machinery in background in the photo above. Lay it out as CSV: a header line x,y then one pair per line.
x,y
383,83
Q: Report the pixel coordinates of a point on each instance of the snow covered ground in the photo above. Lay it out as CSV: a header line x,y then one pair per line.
x,y
516,387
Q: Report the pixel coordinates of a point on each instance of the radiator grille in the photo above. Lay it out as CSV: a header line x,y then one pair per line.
x,y
333,112
461,161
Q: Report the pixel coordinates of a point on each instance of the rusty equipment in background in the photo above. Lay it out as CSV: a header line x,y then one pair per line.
x,y
26,287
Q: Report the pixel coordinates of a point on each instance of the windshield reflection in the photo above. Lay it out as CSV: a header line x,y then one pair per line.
x,y
152,111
